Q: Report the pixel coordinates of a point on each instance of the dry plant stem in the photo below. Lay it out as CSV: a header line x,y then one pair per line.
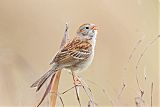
x,y
91,100
55,82
60,99
151,93
110,98
145,49
129,59
89,104
66,36
138,102
134,49
125,68
48,88
90,96
76,89
85,87
104,92
54,89
139,86
140,58
132,52
58,95
122,89
68,90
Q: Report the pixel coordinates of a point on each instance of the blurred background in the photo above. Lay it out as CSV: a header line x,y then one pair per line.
x,y
31,32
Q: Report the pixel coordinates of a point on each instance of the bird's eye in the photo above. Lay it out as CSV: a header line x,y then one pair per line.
x,y
87,27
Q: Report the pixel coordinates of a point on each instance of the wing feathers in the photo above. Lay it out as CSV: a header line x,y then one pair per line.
x,y
75,50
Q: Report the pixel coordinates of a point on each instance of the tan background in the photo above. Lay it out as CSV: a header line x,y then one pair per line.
x,y
30,33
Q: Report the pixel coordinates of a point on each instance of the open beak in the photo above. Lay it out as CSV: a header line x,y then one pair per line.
x,y
94,28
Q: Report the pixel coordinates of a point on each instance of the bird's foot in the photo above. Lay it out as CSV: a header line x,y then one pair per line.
x,y
77,81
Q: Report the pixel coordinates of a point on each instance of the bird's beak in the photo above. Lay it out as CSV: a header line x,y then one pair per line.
x,y
94,28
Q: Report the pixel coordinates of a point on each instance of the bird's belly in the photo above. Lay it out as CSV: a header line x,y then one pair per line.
x,y
82,65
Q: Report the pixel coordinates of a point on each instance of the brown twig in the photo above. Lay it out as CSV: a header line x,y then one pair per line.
x,y
55,82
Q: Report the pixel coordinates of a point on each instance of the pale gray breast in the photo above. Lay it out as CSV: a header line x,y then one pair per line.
x,y
82,65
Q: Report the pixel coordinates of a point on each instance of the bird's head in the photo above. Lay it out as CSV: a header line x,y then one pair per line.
x,y
88,31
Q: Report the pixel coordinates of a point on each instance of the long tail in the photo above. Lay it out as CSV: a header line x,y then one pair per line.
x,y
39,83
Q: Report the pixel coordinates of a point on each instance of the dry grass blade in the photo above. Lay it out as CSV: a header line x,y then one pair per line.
x,y
145,49
104,92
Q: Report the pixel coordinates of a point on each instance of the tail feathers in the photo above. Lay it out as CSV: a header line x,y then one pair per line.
x,y
43,80
39,83
35,84
47,90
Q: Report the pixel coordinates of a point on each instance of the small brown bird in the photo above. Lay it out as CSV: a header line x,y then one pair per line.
x,y
76,55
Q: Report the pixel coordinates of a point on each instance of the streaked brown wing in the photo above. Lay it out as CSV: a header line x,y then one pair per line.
x,y
73,52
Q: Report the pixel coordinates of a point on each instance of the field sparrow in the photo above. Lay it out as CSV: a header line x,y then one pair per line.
x,y
76,55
